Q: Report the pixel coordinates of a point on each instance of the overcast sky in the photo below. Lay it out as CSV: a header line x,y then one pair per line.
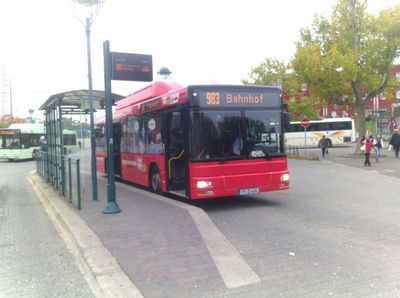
x,y
43,44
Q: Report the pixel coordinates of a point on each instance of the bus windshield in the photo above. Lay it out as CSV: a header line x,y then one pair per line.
x,y
10,139
225,135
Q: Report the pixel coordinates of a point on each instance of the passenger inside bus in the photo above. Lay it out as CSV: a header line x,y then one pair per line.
x,y
14,145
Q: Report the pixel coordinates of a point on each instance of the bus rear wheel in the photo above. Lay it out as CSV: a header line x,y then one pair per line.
x,y
155,180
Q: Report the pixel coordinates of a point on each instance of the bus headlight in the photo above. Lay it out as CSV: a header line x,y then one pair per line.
x,y
203,184
285,177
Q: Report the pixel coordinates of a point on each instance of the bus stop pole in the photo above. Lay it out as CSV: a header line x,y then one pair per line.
x,y
112,206
305,142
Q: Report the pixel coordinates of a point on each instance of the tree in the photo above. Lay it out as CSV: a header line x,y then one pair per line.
x,y
272,72
348,59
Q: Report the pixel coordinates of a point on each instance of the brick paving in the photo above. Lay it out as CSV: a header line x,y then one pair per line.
x,y
156,244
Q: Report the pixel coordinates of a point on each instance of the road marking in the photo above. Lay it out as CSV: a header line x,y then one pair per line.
x,y
234,270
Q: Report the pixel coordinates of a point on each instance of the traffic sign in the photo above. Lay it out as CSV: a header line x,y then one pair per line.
x,y
305,122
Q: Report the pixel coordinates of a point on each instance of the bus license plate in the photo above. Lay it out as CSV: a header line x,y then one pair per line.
x,y
248,191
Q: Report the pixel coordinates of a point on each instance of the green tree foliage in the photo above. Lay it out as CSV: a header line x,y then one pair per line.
x,y
272,72
269,72
348,59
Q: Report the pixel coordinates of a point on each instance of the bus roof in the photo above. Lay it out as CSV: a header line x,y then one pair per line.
x,y
151,91
28,127
34,128
339,119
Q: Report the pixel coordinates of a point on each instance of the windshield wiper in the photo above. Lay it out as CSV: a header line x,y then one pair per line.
x,y
225,157
267,155
264,150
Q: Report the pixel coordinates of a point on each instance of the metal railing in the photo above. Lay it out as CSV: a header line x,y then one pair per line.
x,y
77,181
69,182
293,150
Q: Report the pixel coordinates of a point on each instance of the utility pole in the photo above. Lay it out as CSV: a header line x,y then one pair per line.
x,y
4,97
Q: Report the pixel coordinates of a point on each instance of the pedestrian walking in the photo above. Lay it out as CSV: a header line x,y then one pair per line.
x,y
395,142
362,146
368,146
378,145
323,144
43,144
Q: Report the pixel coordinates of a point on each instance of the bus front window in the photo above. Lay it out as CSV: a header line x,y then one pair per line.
x,y
262,133
228,135
11,142
213,135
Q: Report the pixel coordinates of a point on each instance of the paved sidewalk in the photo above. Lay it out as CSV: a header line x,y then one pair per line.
x,y
161,246
387,165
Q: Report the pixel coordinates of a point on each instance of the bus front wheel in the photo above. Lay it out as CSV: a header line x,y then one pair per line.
x,y
329,143
155,180
34,154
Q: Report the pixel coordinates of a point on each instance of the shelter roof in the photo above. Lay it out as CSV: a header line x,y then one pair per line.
x,y
76,101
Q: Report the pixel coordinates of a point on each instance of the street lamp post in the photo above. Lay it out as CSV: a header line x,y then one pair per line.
x,y
91,112
87,24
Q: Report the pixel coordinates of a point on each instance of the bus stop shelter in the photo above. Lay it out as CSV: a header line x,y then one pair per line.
x,y
73,102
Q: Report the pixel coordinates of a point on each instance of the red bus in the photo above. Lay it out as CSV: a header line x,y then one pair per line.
x,y
200,141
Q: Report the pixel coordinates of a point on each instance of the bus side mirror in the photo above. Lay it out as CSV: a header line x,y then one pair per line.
x,y
286,120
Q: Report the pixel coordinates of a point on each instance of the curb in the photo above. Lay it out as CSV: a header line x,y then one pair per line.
x,y
101,270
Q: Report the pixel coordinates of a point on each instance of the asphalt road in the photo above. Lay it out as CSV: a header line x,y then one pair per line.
x,y
334,233
34,259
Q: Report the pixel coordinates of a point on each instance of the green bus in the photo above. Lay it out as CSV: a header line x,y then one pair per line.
x,y
22,141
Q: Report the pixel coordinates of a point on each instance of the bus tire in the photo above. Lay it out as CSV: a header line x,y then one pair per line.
x,y
155,180
34,154
329,143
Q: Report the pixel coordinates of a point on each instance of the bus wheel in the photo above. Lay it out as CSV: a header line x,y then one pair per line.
x,y
329,143
34,154
155,180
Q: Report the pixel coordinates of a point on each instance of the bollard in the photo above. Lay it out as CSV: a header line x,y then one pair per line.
x,y
78,177
63,182
70,179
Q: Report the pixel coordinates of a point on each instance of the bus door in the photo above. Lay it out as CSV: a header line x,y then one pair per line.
x,y
176,152
117,148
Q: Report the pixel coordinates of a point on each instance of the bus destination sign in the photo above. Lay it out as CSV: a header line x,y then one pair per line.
x,y
238,98
8,132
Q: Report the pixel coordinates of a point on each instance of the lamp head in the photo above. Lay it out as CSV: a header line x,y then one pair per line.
x,y
164,73
87,2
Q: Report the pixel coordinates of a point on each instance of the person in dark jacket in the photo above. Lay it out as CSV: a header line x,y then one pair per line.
x,y
323,144
395,142
377,141
43,144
